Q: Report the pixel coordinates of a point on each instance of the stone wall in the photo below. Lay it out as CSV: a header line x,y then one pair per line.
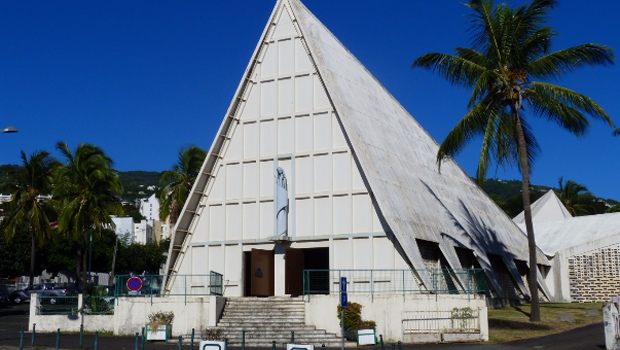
x,y
595,275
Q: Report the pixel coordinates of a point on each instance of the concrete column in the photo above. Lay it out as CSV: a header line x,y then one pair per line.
x,y
483,315
279,269
34,304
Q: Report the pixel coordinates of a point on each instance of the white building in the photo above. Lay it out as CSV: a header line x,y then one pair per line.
x,y
363,184
149,207
584,251
124,227
144,231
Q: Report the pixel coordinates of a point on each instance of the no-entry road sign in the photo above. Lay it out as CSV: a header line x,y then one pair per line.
x,y
134,283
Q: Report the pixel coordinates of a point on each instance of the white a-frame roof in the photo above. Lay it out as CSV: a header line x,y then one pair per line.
x,y
395,156
547,208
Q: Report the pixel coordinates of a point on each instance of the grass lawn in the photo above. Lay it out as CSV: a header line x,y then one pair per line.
x,y
549,316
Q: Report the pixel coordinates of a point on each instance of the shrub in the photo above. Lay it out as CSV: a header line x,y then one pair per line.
x,y
157,319
213,334
367,324
352,315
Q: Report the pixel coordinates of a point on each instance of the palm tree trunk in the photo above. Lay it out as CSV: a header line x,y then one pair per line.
x,y
84,260
527,212
77,265
33,253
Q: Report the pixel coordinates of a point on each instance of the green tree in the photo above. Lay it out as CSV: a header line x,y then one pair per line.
x,y
576,197
507,68
33,179
139,258
86,191
178,181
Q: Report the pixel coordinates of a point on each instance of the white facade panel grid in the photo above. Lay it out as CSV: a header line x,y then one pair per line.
x,y
266,179
302,63
362,213
251,221
268,138
322,131
216,259
217,227
303,176
342,172
269,63
304,211
323,216
268,99
234,179
266,219
286,59
251,108
234,222
250,180
218,191
250,140
303,134
342,214
286,136
362,253
303,93
343,254
286,96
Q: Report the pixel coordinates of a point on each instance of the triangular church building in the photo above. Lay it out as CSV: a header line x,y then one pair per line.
x,y
363,188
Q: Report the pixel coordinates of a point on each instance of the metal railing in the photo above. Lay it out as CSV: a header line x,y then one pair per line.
x,y
57,305
444,281
464,320
182,285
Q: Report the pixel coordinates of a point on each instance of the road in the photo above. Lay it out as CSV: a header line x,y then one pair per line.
x,y
590,337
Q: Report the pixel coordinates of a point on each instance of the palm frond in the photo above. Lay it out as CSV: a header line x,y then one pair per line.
x,y
456,70
557,64
469,127
565,107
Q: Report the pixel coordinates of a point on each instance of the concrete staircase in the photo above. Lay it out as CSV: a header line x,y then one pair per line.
x,y
267,319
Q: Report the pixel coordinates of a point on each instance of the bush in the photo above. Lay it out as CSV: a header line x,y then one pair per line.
x,y
157,319
352,315
367,324
213,334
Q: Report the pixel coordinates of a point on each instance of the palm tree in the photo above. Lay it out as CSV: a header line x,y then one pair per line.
x,y
178,181
34,179
506,68
576,197
86,190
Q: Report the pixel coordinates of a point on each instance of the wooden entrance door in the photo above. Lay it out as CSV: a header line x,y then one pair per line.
x,y
294,268
262,277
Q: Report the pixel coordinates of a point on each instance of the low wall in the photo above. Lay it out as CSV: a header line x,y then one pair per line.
x,y
131,314
388,310
68,323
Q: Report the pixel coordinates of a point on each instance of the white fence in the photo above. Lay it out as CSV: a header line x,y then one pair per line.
x,y
458,320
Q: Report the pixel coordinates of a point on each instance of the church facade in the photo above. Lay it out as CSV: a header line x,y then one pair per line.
x,y
317,167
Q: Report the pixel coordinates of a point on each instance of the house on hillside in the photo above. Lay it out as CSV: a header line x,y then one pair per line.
x,y
584,251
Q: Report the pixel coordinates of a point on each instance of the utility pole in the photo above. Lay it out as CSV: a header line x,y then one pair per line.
x,y
114,260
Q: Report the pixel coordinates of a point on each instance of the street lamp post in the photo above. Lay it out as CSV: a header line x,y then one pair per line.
x,y
10,130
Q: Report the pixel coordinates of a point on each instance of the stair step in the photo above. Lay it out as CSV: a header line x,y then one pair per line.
x,y
330,344
265,320
259,333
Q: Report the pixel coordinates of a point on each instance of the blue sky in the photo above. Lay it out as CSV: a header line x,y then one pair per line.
x,y
141,79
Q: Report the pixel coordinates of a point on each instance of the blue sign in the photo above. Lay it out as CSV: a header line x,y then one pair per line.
x,y
344,300
343,284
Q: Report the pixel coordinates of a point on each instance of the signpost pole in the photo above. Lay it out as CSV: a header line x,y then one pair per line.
x,y
343,303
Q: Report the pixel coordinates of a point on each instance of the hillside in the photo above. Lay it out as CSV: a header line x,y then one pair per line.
x,y
507,194
136,183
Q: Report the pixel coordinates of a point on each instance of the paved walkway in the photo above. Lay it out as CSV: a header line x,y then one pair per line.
x,y
584,338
